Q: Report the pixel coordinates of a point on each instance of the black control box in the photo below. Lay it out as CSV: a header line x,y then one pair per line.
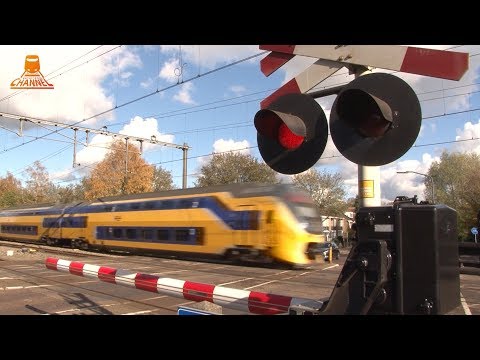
x,y
422,239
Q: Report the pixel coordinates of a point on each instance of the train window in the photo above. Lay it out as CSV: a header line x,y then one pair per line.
x,y
117,233
181,235
149,205
131,233
121,207
162,235
195,204
184,204
147,234
135,206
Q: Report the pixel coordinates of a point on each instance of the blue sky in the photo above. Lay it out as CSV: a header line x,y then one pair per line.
x,y
206,106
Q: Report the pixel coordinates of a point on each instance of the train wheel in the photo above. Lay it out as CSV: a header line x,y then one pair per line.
x,y
50,242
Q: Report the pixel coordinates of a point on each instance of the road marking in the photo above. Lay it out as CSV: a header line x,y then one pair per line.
x,y
233,282
8,278
84,308
465,305
168,272
278,273
22,266
329,267
86,282
265,283
23,287
219,267
143,267
139,312
155,298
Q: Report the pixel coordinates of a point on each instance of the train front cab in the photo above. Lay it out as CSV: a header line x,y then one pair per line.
x,y
296,228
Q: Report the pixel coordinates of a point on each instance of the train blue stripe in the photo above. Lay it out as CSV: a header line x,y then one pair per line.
x,y
236,220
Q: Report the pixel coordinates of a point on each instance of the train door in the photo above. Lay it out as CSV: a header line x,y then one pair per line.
x,y
246,225
54,226
269,228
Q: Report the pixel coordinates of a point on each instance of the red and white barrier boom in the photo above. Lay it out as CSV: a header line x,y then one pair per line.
x,y
248,301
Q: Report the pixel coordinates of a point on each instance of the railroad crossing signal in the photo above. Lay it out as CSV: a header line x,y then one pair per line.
x,y
375,118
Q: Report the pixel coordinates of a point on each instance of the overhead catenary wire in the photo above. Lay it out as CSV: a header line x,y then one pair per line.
x,y
419,93
222,127
140,98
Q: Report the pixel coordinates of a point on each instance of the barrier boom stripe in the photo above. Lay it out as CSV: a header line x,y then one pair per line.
x,y
312,76
247,301
442,64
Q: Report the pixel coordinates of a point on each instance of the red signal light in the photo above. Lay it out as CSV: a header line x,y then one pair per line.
x,y
287,138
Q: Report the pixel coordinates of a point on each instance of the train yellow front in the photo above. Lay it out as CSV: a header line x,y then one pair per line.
x,y
251,222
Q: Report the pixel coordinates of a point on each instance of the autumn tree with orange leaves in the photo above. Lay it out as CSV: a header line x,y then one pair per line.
x,y
118,175
10,191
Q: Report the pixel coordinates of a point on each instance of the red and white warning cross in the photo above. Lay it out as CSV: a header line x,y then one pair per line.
x,y
248,301
442,64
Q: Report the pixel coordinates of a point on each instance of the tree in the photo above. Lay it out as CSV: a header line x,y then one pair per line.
x,y
70,193
10,191
39,188
162,179
455,179
327,190
118,174
229,168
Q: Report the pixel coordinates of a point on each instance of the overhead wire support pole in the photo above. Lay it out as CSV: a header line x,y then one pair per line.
x,y
184,179
105,132
74,147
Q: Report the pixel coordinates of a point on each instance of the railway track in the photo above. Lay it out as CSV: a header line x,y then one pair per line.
x,y
29,247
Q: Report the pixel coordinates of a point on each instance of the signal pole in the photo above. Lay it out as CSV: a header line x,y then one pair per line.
x,y
368,176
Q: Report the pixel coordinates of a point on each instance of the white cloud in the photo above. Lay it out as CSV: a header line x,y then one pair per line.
x,y
184,94
238,89
469,131
222,145
147,83
170,70
78,93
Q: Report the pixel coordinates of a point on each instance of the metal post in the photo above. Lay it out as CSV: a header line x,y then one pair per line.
x,y
74,147
126,156
185,151
368,176
433,189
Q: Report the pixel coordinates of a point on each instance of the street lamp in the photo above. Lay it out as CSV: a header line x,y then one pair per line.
x,y
427,176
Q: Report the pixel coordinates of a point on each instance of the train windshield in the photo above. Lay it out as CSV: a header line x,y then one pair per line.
x,y
305,211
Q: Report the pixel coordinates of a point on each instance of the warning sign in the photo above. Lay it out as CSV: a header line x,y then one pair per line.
x,y
366,189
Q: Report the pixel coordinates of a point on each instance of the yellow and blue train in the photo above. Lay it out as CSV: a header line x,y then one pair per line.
x,y
252,221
